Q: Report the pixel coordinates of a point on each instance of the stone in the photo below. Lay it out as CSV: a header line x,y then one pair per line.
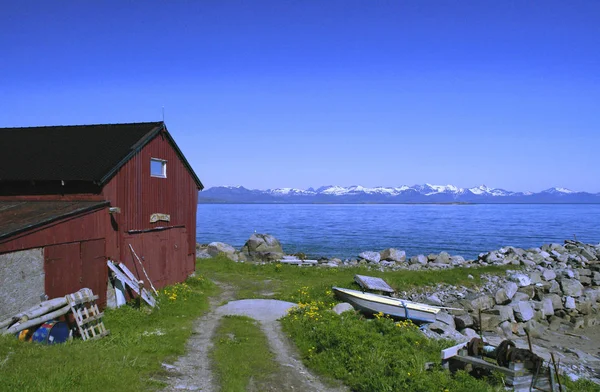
x,y
587,254
370,256
534,328
506,293
584,272
392,254
523,311
489,322
446,319
463,321
342,307
555,288
494,258
535,277
528,290
470,333
457,260
419,260
443,258
478,302
591,320
548,274
571,287
556,301
216,248
585,280
547,307
545,254
584,305
505,312
520,296
520,279
433,299
202,254
507,329
262,247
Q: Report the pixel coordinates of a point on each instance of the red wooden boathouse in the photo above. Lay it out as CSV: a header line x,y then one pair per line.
x,y
72,197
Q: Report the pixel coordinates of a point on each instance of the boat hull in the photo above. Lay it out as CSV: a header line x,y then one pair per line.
x,y
372,304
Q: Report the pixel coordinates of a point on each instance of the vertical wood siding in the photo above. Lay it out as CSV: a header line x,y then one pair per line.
x,y
139,195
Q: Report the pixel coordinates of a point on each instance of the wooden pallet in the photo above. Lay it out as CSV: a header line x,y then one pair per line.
x,y
87,315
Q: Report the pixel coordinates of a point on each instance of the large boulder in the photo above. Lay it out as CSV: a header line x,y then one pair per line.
x,y
571,287
523,311
520,279
392,254
215,248
370,256
419,260
263,247
506,293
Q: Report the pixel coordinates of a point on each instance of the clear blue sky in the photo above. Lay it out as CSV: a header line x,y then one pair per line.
x,y
296,93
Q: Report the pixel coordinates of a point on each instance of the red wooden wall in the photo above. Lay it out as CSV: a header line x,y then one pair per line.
x,y
139,195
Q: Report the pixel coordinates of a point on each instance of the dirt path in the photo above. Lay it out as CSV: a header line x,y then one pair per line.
x,y
192,371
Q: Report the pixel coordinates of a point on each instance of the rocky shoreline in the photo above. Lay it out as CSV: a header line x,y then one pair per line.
x,y
552,293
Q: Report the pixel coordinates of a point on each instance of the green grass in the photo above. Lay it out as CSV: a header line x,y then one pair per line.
x,y
129,359
252,280
367,355
241,353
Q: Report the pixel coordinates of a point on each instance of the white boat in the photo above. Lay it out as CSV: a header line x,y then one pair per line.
x,y
371,304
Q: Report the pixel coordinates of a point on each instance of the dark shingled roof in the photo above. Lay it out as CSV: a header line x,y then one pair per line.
x,y
19,216
75,152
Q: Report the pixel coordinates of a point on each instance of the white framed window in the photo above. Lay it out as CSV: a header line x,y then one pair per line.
x,y
158,168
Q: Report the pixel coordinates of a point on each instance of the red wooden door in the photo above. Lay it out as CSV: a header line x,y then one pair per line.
x,y
62,266
94,272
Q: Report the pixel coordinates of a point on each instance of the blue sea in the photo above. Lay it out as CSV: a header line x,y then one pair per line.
x,y
345,230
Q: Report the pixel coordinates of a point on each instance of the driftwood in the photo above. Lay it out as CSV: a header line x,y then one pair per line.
x,y
35,312
37,321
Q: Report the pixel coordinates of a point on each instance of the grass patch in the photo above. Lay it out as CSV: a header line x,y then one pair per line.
x,y
129,359
373,355
284,280
241,353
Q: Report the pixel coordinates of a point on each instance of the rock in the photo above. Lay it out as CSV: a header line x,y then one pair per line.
x,y
202,254
555,288
506,293
433,299
521,296
571,287
505,312
535,277
478,302
585,280
494,258
463,321
394,255
457,260
469,333
528,290
545,254
489,322
370,256
342,307
443,258
507,329
523,311
446,319
522,280
548,274
547,307
556,301
587,254
534,328
419,260
263,247
216,248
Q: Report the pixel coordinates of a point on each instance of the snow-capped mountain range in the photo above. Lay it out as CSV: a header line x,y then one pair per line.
x,y
426,193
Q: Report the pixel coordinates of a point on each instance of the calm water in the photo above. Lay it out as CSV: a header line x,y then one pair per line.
x,y
346,230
